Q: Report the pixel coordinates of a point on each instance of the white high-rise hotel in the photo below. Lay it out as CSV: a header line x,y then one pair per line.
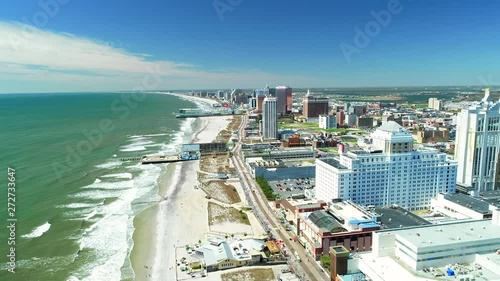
x,y
269,118
477,145
390,172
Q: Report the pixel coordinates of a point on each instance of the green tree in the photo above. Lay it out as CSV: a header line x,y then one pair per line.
x,y
325,262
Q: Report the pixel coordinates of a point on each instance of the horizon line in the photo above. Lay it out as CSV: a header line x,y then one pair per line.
x,y
222,89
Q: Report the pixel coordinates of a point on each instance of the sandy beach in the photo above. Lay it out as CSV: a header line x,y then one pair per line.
x,y
183,218
154,236
182,215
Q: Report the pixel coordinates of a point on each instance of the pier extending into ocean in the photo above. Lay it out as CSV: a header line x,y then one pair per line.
x,y
190,151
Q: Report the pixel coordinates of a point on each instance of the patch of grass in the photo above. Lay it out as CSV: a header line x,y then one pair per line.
x,y
244,218
214,163
223,192
219,214
254,274
329,149
349,139
420,106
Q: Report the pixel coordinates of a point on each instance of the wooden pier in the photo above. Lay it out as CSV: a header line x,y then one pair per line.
x,y
157,159
189,152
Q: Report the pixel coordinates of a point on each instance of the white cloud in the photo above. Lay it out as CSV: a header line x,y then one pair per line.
x,y
31,54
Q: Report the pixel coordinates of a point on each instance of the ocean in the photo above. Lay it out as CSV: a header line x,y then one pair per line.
x,y
75,198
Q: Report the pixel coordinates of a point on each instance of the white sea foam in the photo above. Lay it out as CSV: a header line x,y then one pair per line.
x,y
131,148
78,205
38,231
97,180
138,143
111,164
119,176
90,215
184,136
112,185
109,236
141,141
156,135
95,194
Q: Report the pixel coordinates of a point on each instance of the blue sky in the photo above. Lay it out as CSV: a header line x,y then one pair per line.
x,y
90,45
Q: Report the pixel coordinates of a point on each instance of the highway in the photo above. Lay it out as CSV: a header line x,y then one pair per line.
x,y
307,269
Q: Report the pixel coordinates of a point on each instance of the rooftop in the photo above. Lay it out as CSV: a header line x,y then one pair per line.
x,y
390,269
218,249
468,202
333,162
325,221
490,194
350,213
308,205
397,217
449,234
391,126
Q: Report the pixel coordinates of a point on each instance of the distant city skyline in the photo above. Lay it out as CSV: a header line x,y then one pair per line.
x,y
56,46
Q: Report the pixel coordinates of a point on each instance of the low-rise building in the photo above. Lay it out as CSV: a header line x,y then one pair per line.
x,y
461,206
219,254
344,223
433,135
462,250
466,249
274,153
273,170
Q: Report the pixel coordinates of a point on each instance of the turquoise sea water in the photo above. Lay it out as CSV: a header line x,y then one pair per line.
x,y
75,200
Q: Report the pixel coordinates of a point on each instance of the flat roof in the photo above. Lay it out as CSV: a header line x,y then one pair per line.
x,y
389,269
333,162
397,217
308,205
273,248
348,211
490,194
492,197
450,233
468,202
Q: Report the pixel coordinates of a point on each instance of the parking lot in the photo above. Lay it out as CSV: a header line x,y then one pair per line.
x,y
291,188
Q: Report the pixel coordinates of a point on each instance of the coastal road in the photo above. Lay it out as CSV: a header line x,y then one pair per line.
x,y
307,269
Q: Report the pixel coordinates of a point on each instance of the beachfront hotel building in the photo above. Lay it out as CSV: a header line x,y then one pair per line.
x,y
284,97
269,118
477,147
388,172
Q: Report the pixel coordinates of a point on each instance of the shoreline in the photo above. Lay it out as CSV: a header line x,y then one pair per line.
x,y
145,231
152,250
186,204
